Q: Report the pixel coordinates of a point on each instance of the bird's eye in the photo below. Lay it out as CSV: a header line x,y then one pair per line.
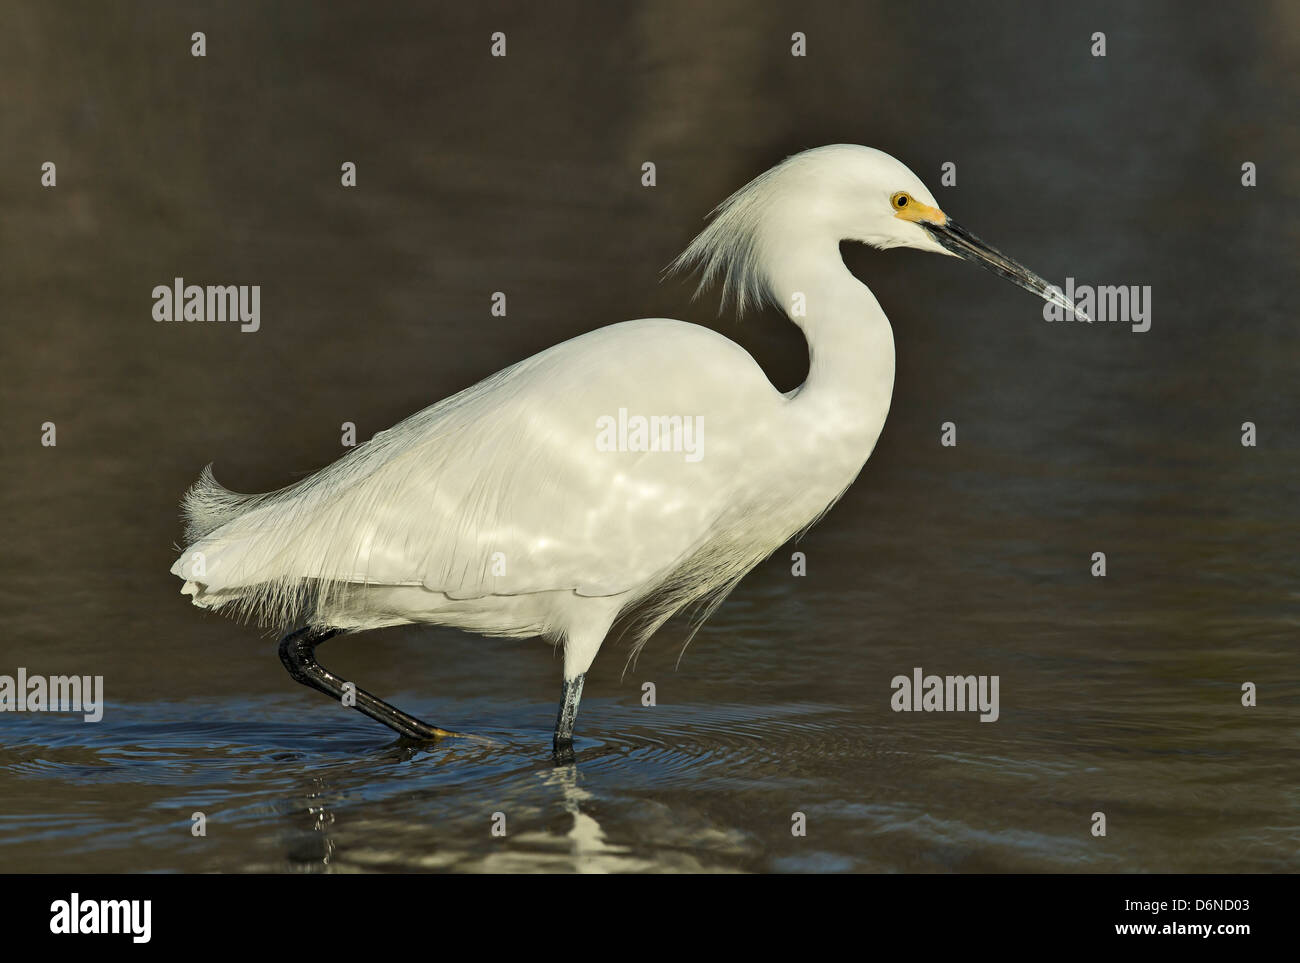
x,y
900,200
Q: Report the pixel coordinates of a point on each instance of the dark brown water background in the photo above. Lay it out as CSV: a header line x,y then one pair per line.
x,y
1118,694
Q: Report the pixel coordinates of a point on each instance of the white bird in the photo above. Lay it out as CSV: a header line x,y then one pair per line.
x,y
638,469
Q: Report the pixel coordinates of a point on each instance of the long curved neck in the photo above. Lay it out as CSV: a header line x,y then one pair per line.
x,y
850,342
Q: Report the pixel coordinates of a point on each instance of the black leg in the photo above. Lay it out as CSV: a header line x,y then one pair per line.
x,y
562,745
298,653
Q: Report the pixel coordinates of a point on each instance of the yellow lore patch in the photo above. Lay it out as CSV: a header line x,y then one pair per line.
x,y
908,208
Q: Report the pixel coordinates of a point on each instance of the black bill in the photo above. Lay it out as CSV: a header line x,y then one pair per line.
x,y
955,238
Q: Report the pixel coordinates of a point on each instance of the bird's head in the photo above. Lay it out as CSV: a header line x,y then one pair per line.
x,y
842,192
894,209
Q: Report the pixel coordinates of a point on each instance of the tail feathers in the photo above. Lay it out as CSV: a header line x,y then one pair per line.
x,y
209,565
241,562
208,505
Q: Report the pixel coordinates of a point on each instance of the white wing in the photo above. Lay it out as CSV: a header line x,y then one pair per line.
x,y
504,488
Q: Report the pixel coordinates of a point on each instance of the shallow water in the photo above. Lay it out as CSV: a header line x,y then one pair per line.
x,y
1118,694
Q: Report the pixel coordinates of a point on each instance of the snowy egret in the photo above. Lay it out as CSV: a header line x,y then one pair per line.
x,y
633,471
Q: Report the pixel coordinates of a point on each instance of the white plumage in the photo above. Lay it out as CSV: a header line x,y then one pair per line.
x,y
497,511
